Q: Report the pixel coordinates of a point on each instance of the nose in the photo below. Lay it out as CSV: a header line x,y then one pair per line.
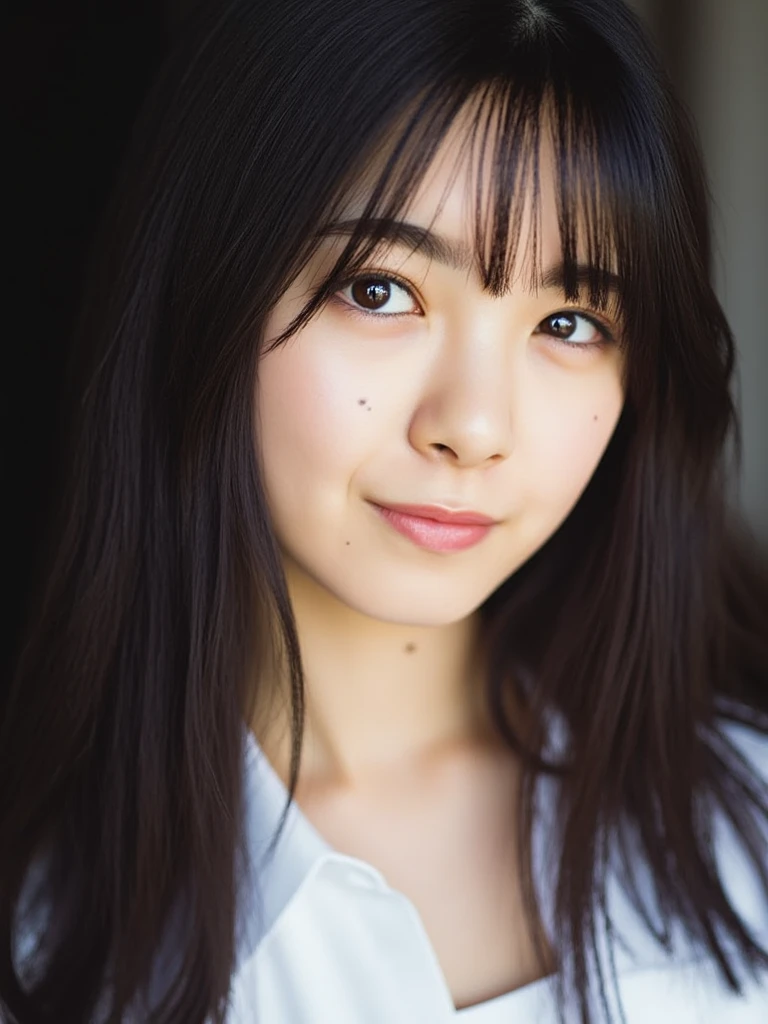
x,y
464,415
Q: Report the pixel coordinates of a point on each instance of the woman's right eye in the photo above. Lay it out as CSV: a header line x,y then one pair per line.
x,y
380,296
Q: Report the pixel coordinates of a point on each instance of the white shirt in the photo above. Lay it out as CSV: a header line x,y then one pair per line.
x,y
325,939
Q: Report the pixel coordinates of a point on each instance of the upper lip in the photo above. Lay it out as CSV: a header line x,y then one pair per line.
x,y
441,514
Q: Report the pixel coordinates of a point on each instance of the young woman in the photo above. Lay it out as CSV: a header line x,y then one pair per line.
x,y
396,659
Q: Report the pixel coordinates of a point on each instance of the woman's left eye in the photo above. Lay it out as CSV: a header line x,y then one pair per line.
x,y
574,329
379,295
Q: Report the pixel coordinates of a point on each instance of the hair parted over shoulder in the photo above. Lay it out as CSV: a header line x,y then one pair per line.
x,y
642,621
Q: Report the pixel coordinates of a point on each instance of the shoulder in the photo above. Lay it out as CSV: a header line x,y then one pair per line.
x,y
742,859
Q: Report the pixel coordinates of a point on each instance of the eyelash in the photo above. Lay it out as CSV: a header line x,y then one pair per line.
x,y
373,275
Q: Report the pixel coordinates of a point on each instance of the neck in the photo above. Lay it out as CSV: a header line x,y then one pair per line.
x,y
377,693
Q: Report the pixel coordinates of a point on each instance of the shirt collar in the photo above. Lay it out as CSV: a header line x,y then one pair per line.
x,y
273,877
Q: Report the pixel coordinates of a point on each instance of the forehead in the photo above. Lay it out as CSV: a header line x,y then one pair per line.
x,y
467,196
468,191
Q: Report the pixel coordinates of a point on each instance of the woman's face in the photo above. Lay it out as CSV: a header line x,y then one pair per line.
x,y
414,387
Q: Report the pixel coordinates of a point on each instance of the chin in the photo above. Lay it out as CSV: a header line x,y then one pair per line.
x,y
387,588
408,604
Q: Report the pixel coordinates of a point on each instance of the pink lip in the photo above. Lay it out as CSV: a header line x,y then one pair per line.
x,y
436,528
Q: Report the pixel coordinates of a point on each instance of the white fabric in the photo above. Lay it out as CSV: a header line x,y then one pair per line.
x,y
325,940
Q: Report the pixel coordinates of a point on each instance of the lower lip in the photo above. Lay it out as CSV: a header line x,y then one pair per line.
x,y
432,535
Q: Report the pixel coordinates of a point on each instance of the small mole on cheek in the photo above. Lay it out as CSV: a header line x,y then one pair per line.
x,y
410,648
595,418
362,401
346,542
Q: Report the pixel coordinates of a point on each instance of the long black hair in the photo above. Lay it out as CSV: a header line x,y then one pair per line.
x,y
641,622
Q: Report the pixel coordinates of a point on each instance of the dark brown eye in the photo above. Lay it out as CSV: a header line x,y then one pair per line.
x,y
371,293
383,296
572,328
561,325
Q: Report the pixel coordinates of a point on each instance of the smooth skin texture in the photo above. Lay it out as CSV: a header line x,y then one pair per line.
x,y
426,390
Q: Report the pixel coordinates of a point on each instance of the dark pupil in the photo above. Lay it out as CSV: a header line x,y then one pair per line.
x,y
370,294
562,325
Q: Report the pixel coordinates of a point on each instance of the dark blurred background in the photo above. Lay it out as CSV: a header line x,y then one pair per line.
x,y
717,52
75,74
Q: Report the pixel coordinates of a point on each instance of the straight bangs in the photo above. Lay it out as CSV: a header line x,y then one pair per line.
x,y
549,113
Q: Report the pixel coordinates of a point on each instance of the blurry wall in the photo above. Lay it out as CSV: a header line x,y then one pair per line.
x,y
727,87
717,51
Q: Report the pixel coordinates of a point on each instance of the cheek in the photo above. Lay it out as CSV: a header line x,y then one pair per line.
x,y
570,440
316,415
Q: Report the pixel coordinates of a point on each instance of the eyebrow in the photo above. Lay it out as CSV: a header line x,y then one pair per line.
x,y
443,250
455,255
